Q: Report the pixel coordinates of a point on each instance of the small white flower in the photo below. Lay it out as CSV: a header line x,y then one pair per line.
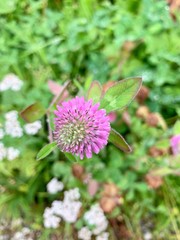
x,y
3,151
26,230
23,234
50,220
12,125
147,236
5,85
84,234
67,209
72,194
12,115
70,207
57,207
12,153
70,211
95,216
13,129
48,212
103,236
54,186
18,236
1,133
12,82
32,128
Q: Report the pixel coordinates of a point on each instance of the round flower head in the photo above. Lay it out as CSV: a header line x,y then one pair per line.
x,y
80,128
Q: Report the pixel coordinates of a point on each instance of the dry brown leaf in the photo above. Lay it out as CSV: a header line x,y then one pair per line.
x,y
142,94
153,181
142,112
78,171
107,204
110,189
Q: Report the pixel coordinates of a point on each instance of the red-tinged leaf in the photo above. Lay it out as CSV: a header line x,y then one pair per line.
x,y
93,187
54,87
95,91
107,85
119,141
58,91
33,112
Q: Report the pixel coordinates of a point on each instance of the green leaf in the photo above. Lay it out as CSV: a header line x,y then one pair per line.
x,y
7,6
163,144
46,150
95,91
119,141
70,157
121,94
79,224
176,128
33,112
162,171
61,169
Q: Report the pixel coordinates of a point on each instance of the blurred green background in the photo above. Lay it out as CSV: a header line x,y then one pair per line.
x,y
81,41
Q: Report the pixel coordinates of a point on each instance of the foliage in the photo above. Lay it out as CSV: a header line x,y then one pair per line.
x,y
82,41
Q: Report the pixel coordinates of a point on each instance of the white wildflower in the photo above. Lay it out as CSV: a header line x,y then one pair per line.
x,y
12,82
1,133
50,220
13,129
54,186
72,194
12,115
32,128
18,236
5,85
2,151
12,153
147,236
84,234
57,207
103,236
68,209
95,217
24,234
12,125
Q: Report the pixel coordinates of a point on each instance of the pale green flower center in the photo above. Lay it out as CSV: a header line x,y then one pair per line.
x,y
72,133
